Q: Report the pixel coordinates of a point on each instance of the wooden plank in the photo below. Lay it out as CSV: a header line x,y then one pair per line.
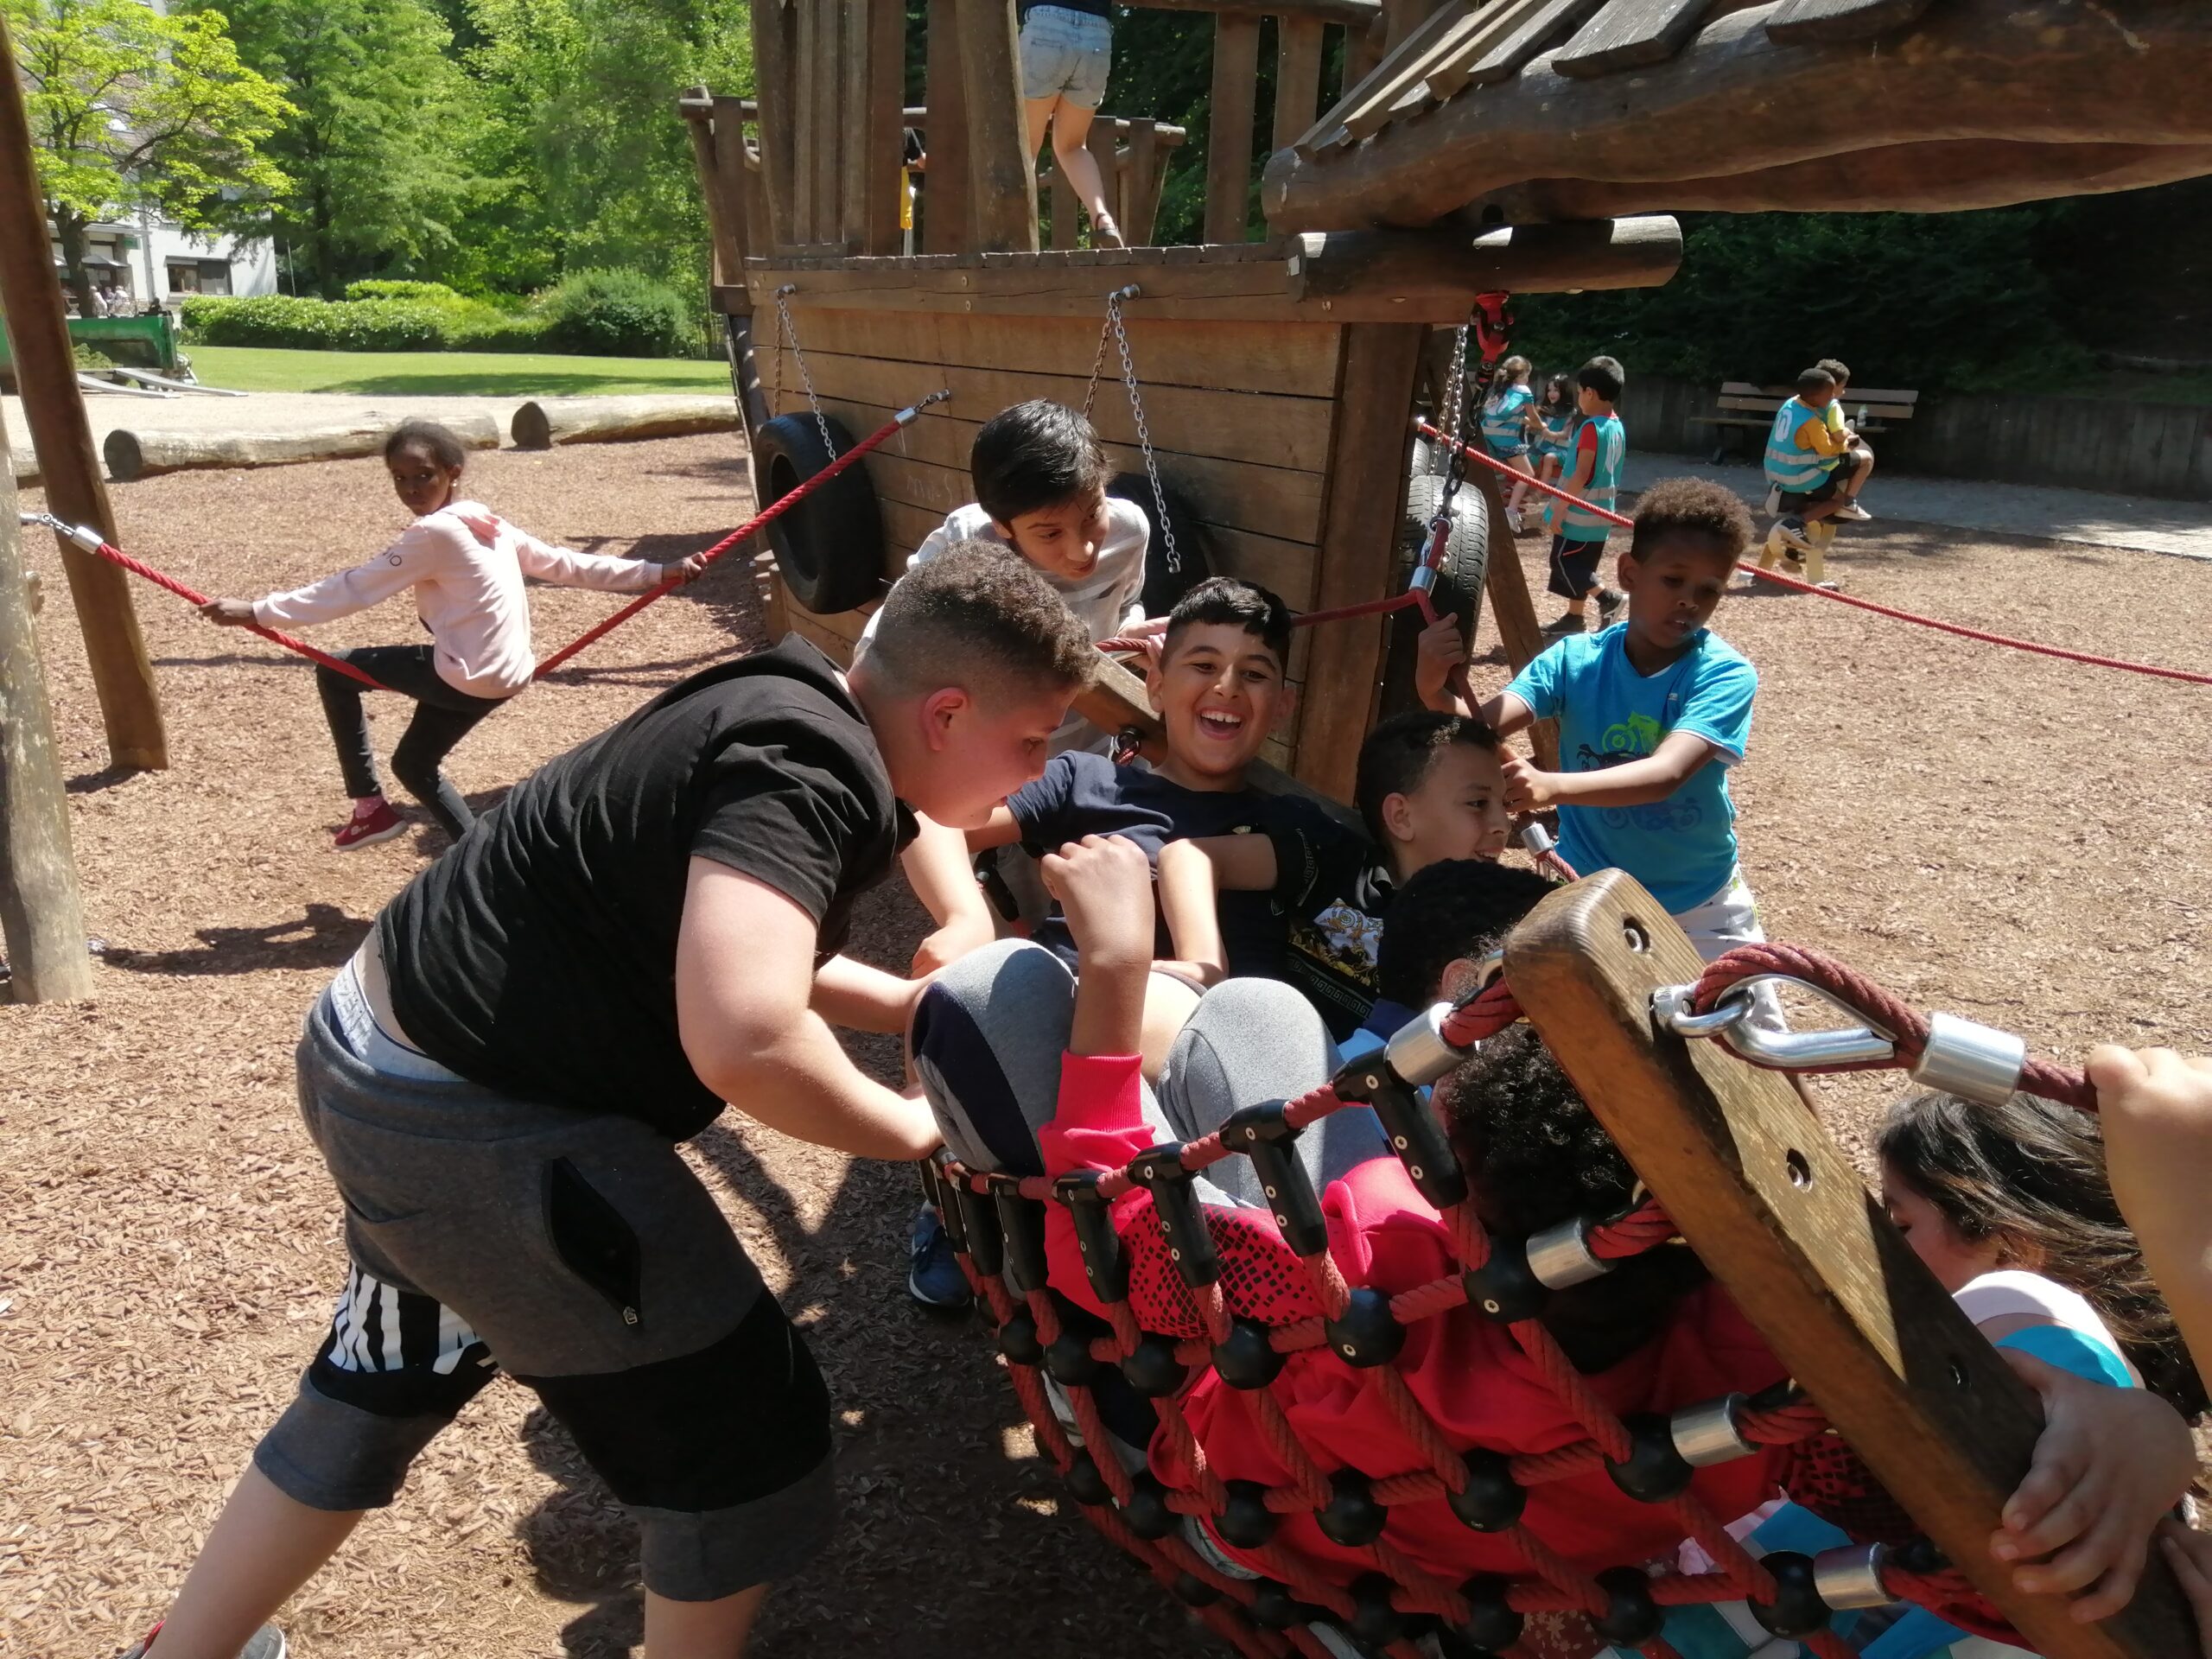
x,y
1228,132
945,227
1298,78
856,131
1001,174
1784,1223
1359,533
1064,227
1448,66
1353,14
1512,52
1628,34
732,171
1818,21
1292,432
775,42
753,189
1365,105
880,186
807,65
717,192
1148,176
1101,142
1512,609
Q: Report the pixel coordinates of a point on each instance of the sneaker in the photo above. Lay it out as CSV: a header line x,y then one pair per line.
x,y
267,1643
1852,512
1565,625
1829,587
381,825
1610,600
933,1275
1513,518
1791,533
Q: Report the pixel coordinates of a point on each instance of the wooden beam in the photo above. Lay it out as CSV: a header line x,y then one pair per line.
x,y
1229,127
1065,219
1502,57
775,42
945,226
42,914
1147,172
1355,14
728,214
1840,20
856,81
1787,1228
1630,34
1108,157
1359,549
1512,609
46,374
1429,270
886,35
1002,172
728,255
1298,77
828,117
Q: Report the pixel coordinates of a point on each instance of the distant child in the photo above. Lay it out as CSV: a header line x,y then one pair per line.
x,y
466,567
1509,423
1429,790
1803,454
1041,478
1859,460
1555,417
1594,476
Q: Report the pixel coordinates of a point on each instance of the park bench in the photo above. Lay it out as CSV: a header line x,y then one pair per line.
x,y
1743,407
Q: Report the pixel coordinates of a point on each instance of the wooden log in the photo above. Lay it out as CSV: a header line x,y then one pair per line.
x,y
1002,172
1359,550
881,183
133,455
1512,610
1737,101
775,46
1785,1224
1436,267
946,226
1298,77
540,425
45,372
1229,133
41,915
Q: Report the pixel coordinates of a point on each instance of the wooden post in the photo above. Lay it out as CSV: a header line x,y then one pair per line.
x,y
1510,607
736,231
1104,145
823,135
945,227
1366,492
855,89
775,42
886,117
41,918
1002,172
1066,220
1298,78
1229,126
45,372
1147,172
717,188
1784,1222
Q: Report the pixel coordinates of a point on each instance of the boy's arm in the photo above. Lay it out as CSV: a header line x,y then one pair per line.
x,y
1639,783
1192,874
1823,439
2156,1108
1000,829
1104,884
939,869
1586,459
744,982
861,998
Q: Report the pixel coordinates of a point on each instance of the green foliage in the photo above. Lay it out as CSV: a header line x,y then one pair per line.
x,y
616,314
90,359
369,325
428,293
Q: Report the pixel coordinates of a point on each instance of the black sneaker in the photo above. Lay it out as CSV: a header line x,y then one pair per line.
x,y
933,1274
1610,600
1792,534
1571,623
267,1643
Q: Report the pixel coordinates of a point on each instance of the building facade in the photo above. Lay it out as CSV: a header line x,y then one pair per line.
x,y
152,262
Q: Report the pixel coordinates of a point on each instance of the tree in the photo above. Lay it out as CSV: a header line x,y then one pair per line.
x,y
384,119
130,108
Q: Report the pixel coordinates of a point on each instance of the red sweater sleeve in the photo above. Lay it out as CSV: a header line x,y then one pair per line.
x,y
1100,1125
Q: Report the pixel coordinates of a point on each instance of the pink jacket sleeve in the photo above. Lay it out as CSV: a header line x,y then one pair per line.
x,y
1100,1125
569,569
421,551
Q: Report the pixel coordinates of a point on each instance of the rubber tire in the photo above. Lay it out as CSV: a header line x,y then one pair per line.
x,y
1193,541
829,547
1458,588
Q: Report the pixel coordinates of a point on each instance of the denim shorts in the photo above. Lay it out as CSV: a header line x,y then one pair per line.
x,y
1066,55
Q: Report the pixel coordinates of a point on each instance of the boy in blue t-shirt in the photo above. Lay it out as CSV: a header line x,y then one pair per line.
x,y
1593,473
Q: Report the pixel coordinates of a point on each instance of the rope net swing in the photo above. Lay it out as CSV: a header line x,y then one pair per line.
x,y
1185,1287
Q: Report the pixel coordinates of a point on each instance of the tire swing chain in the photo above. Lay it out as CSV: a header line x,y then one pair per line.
x,y
1116,330
785,330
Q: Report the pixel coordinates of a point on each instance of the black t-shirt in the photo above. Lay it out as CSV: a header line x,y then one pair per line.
x,y
538,957
1333,887
1082,794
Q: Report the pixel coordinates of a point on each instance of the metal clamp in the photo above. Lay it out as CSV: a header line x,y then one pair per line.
x,y
1973,1061
1711,1432
1538,840
1779,1051
1417,1050
1850,1575
1560,1255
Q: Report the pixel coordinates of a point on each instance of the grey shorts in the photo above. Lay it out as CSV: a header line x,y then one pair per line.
x,y
1066,54
580,1254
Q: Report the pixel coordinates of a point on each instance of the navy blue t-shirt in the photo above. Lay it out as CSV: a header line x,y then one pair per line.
x,y
1082,794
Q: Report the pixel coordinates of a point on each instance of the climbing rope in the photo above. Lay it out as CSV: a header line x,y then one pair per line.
x,y
1178,1250
1116,330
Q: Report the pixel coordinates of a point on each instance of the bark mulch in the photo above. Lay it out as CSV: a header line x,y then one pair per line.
x,y
2022,842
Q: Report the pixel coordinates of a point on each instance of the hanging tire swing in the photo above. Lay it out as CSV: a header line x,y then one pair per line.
x,y
829,547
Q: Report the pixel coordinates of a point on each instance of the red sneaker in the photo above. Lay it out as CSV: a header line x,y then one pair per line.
x,y
381,825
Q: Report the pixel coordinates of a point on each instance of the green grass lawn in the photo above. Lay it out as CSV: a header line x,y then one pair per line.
x,y
450,374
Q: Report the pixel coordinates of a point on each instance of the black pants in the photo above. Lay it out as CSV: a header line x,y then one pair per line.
x,y
443,717
1574,567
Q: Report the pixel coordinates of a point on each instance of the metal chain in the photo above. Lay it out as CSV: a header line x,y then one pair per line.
x,y
1098,362
806,379
1447,401
1114,325
1455,458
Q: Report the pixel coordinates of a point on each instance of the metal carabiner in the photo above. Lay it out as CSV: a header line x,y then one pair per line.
x,y
1780,1051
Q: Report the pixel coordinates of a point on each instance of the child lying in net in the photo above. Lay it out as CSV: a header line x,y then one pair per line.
x,y
1028,1073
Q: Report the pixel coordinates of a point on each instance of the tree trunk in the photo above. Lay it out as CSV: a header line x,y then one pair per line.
x,y
70,227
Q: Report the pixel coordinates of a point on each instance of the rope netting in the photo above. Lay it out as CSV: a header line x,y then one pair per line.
x,y
1167,1260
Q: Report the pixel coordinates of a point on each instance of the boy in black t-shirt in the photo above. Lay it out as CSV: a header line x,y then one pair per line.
x,y
641,931
1429,788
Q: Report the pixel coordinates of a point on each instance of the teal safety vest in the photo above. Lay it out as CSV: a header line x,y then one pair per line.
x,y
1787,466
1582,524
1505,419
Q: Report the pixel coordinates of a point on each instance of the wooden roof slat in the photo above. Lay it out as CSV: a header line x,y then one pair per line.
x,y
1504,59
1366,107
1445,71
1797,20
1628,34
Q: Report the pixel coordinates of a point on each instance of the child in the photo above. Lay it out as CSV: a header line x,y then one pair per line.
x,y
1802,455
1429,790
1424,958
466,567
1594,476
499,1079
1040,482
1859,457
1509,417
1554,428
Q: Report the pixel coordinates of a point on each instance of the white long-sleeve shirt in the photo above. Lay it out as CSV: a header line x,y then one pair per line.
x,y
468,593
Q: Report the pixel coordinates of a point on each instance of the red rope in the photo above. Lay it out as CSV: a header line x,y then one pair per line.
x,y
1519,477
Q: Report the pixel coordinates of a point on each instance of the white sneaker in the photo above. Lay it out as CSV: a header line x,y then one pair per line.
x,y
1852,512
1513,518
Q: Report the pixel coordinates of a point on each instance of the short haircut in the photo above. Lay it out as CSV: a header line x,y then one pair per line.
x,y
1396,757
1034,455
1605,375
1815,380
1690,507
1461,907
978,616
1837,369
1244,605
433,440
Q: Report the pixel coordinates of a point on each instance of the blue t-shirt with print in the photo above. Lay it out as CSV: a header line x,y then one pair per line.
x,y
1682,849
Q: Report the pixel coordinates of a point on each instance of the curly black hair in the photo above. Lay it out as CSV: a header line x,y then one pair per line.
x,y
1461,907
1690,507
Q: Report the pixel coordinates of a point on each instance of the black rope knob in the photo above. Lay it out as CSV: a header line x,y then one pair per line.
x,y
1631,1617
1505,1288
1797,1609
1193,1591
1654,1472
1146,1513
1492,1500
1245,1358
1272,1606
1152,1368
1352,1516
1085,1484
1373,1620
1491,1626
1069,1361
1245,1519
1018,1340
1366,1333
